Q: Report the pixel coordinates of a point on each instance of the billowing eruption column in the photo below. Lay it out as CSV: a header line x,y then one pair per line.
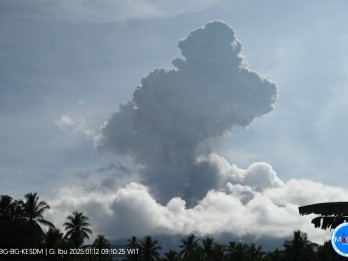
x,y
174,111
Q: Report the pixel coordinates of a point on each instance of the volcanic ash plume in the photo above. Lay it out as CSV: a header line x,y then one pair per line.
x,y
173,112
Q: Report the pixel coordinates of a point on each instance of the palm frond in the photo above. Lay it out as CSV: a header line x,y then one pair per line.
x,y
46,223
331,214
326,209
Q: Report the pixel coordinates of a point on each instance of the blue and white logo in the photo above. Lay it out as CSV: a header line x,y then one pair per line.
x,y
339,239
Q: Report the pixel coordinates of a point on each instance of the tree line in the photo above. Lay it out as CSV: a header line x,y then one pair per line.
x,y
23,226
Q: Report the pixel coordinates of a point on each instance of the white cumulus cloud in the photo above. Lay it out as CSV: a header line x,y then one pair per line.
x,y
133,210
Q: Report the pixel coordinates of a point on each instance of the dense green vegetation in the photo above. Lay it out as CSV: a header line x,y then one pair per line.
x,y
23,226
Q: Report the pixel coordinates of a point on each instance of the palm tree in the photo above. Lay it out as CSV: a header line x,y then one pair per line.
x,y
327,253
77,229
208,247
54,239
13,225
254,253
5,206
149,249
332,213
171,255
243,252
101,243
10,210
189,247
218,252
133,243
299,248
275,255
33,210
236,251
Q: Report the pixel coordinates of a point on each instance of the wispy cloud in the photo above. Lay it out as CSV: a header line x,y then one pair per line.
x,y
104,10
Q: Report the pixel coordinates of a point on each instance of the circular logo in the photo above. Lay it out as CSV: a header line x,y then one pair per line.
x,y
339,239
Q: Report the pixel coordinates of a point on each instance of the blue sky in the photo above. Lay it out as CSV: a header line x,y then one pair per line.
x,y
66,66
